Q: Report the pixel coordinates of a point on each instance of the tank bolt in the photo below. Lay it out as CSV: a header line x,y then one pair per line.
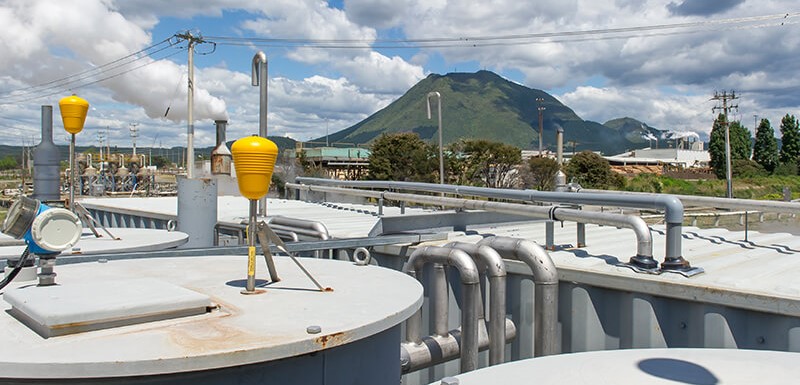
x,y
449,381
683,325
314,329
761,340
102,260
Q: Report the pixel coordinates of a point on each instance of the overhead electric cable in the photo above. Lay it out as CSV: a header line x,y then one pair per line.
x,y
465,41
138,55
63,89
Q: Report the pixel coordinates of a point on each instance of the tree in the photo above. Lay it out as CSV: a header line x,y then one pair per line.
x,y
540,173
481,162
790,137
8,162
739,141
402,157
592,171
765,150
159,161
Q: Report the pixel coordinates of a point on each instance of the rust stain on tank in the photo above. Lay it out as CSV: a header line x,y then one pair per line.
x,y
331,339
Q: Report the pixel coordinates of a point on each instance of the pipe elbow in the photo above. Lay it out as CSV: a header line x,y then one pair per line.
x,y
489,258
260,58
535,256
673,208
466,266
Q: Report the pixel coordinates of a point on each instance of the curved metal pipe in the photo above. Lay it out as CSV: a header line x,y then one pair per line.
x,y
490,261
470,281
671,205
644,240
545,279
260,79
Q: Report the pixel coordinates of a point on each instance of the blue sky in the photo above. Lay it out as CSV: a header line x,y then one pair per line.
x,y
656,73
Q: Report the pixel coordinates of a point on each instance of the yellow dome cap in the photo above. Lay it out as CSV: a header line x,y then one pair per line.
x,y
254,160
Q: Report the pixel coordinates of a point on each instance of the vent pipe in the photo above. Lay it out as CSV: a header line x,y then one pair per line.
x,y
221,156
560,145
46,178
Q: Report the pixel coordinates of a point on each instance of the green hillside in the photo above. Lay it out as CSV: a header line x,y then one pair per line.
x,y
483,105
634,130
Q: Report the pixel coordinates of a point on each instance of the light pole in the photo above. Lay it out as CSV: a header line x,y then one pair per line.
x,y
541,128
73,115
439,111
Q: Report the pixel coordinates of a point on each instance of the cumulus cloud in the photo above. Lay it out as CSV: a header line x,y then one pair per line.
x,y
51,39
701,7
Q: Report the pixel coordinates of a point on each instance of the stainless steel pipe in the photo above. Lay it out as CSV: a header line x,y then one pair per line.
x,y
671,205
470,281
491,262
438,349
644,242
545,279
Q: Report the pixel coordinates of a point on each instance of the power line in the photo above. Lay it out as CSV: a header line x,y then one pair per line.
x,y
514,39
135,55
59,90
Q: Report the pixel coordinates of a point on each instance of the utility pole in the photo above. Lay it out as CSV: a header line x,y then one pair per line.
x,y
541,127
100,138
725,97
192,40
134,134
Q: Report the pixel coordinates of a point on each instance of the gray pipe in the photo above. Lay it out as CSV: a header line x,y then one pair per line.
x,y
723,203
260,79
314,228
671,205
437,349
46,178
440,297
490,261
545,279
643,237
470,281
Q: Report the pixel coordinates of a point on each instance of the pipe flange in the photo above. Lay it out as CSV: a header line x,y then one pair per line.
x,y
680,266
361,256
644,262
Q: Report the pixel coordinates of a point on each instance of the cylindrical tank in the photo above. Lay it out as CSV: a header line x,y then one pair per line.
x,y
46,180
221,156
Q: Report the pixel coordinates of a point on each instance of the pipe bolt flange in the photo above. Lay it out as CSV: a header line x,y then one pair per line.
x,y
645,262
676,264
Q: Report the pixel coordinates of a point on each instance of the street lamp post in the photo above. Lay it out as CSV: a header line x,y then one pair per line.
x,y
439,111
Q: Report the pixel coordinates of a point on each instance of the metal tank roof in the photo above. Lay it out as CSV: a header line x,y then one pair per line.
x,y
130,240
643,366
289,318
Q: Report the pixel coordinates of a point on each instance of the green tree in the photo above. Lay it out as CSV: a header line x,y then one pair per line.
x,y
592,171
481,162
160,161
790,138
402,157
540,173
765,150
739,141
8,162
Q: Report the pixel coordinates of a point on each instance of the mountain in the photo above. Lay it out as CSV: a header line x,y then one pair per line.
x,y
635,131
483,105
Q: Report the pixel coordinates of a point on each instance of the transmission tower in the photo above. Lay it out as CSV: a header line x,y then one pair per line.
x,y
134,134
